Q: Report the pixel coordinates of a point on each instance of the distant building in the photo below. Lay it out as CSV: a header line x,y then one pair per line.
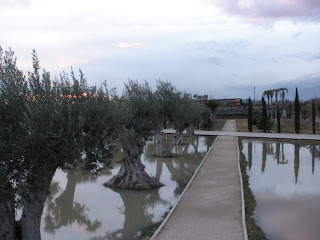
x,y
230,102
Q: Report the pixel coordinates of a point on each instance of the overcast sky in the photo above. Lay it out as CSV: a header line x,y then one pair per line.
x,y
217,47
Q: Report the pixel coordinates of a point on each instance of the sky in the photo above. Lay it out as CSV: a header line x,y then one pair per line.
x,y
219,48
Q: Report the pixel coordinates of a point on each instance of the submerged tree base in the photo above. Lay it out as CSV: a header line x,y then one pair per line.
x,y
132,174
141,183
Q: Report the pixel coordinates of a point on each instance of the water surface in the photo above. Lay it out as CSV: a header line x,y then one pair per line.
x,y
284,178
80,207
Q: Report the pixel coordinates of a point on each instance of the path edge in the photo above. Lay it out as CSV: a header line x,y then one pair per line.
x,y
182,194
243,210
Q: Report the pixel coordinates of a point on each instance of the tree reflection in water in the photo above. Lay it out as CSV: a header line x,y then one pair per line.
x,y
279,154
140,209
283,157
264,157
315,153
250,155
183,165
285,187
267,149
296,161
137,206
63,211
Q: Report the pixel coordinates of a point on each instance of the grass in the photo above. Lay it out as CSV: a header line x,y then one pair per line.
x,y
254,231
286,127
150,230
218,124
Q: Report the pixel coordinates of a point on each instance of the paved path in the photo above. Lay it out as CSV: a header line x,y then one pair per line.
x,y
210,208
253,135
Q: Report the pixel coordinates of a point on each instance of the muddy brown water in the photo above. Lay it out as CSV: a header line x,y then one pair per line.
x,y
284,178
80,207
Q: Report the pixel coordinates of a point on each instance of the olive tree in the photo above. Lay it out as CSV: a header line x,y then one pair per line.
x,y
187,113
140,110
180,110
12,82
44,124
213,106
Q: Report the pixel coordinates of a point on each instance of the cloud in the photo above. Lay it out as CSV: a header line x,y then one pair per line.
x,y
71,61
297,35
307,56
302,55
214,60
257,10
131,45
308,86
231,47
217,51
14,3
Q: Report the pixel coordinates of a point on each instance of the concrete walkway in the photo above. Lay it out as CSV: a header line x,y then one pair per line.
x,y
210,208
252,134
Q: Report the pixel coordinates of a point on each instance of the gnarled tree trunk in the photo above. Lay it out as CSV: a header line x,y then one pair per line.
x,y
7,213
33,205
190,131
175,138
131,174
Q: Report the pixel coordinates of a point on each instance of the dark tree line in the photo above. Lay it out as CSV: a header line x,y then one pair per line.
x,y
264,122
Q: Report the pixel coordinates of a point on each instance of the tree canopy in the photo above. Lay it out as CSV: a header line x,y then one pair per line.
x,y
45,124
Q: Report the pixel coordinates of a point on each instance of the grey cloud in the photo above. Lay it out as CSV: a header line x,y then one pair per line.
x,y
297,35
226,48
308,87
272,9
216,51
214,60
305,56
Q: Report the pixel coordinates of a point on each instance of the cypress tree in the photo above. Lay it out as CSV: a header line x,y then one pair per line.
x,y
264,115
250,115
278,120
313,118
297,113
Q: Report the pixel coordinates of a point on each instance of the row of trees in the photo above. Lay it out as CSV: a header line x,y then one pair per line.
x,y
279,92
265,121
48,123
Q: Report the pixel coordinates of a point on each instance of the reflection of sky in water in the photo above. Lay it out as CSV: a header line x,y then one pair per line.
x,y
285,182
119,215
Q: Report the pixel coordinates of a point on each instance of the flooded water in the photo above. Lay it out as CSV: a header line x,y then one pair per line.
x,y
285,180
80,207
